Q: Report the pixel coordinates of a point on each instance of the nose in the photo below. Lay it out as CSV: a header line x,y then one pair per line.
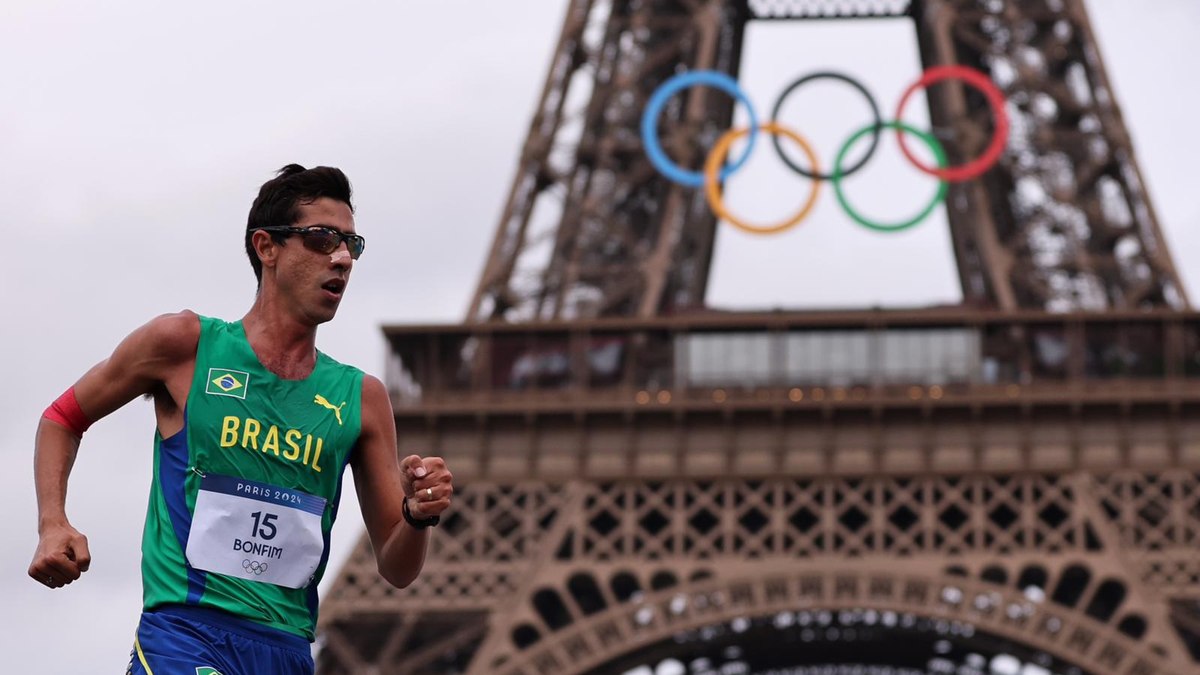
x,y
341,258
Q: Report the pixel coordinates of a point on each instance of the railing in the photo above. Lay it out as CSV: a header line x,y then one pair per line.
x,y
851,355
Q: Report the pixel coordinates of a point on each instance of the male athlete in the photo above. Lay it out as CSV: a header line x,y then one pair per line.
x,y
254,429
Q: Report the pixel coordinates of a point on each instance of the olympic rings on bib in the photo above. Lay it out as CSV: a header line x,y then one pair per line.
x,y
713,174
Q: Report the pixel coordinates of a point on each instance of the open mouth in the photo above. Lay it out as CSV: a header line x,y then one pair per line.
x,y
335,286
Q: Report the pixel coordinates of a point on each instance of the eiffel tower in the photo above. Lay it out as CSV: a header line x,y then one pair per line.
x,y
1005,486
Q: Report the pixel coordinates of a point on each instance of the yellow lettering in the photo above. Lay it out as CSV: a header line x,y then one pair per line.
x,y
250,433
271,444
229,432
317,457
250,429
294,453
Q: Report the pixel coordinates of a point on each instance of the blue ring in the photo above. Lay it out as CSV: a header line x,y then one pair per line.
x,y
658,100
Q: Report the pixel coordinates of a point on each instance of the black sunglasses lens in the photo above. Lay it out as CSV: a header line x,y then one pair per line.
x,y
322,240
327,240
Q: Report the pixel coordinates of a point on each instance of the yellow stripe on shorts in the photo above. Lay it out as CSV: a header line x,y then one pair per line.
x,y
137,645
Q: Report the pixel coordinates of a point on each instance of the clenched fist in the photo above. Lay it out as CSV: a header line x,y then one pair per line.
x,y
62,556
427,485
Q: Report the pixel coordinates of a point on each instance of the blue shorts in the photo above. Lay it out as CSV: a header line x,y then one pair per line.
x,y
180,640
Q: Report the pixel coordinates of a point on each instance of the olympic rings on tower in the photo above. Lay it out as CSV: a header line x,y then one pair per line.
x,y
833,76
658,100
713,174
938,198
713,193
995,100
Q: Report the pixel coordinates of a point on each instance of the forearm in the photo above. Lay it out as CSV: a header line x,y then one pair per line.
x,y
55,449
394,494
401,558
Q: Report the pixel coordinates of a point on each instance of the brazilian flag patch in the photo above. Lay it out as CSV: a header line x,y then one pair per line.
x,y
225,382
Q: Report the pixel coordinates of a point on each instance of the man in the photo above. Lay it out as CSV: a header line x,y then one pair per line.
x,y
254,429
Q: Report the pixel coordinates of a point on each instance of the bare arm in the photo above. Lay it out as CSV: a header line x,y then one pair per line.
x,y
383,484
141,364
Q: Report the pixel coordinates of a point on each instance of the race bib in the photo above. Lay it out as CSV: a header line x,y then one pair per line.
x,y
256,531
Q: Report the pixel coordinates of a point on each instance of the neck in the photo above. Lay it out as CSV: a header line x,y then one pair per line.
x,y
283,343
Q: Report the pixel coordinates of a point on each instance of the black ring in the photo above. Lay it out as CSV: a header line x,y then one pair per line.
x,y
834,76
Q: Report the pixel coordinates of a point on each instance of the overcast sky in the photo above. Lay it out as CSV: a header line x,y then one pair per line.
x,y
135,135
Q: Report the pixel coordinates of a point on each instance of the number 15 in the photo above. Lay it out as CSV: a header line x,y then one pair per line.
x,y
264,529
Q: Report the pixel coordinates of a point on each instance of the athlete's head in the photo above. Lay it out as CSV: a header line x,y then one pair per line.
x,y
279,200
297,238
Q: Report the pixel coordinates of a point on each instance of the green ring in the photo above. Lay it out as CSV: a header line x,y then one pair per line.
x,y
940,197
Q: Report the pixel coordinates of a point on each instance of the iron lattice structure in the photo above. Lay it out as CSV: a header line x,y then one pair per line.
x,y
591,229
899,491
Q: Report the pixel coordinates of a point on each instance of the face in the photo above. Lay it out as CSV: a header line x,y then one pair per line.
x,y
307,282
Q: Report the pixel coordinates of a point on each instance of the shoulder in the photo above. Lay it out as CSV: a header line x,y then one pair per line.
x,y
374,394
376,406
171,335
155,351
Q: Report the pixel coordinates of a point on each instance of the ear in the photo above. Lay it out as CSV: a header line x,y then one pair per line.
x,y
266,248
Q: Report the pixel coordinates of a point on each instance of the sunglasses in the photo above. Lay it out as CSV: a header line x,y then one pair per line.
x,y
323,239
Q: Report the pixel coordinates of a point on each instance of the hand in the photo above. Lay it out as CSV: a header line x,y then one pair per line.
x,y
62,556
427,485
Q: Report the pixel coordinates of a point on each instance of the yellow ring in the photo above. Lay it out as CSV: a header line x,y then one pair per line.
x,y
712,190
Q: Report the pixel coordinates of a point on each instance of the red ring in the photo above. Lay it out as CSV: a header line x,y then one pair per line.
x,y
995,99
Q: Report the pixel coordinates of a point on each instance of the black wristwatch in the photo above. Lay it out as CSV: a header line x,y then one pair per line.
x,y
418,523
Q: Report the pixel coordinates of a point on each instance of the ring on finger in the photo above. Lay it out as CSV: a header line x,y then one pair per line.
x,y
429,492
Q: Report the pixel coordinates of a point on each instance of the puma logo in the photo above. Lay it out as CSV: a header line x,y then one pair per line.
x,y
337,409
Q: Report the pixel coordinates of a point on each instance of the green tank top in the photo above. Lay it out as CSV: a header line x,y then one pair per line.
x,y
244,496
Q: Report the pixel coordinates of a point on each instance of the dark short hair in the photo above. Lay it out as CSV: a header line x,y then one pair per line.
x,y
279,200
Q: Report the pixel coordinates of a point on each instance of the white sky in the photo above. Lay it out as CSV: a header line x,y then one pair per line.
x,y
135,135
